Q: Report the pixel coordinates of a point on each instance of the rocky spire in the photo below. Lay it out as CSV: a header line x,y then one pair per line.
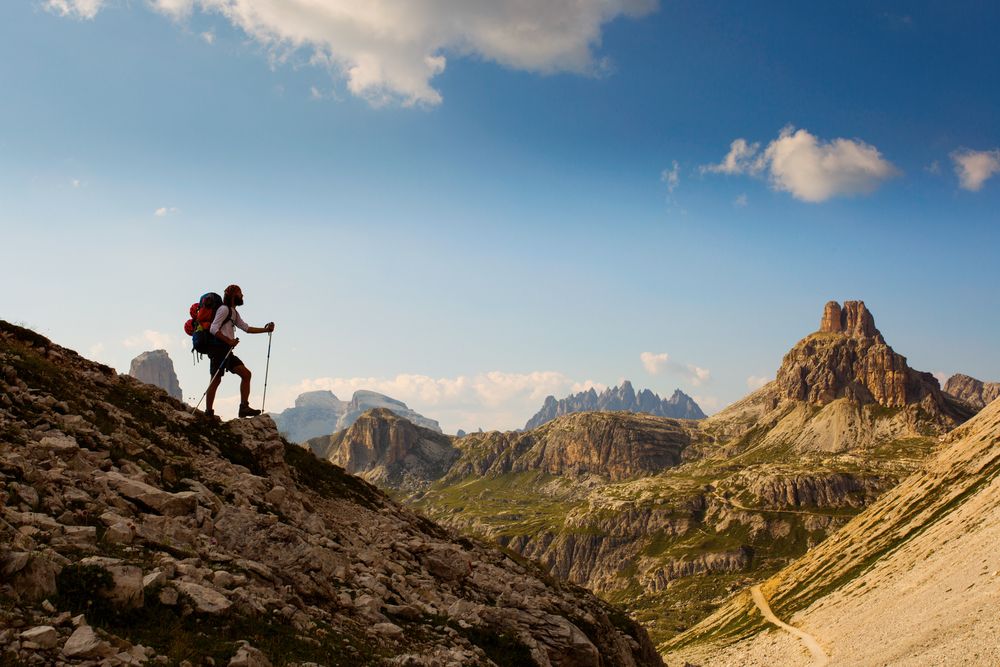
x,y
156,368
854,319
856,364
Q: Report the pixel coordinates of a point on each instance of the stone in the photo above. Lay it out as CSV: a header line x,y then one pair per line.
x,y
617,399
84,643
127,587
156,368
31,576
390,630
44,636
248,656
206,600
975,392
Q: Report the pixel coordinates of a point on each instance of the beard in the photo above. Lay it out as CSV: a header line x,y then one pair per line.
x,y
238,301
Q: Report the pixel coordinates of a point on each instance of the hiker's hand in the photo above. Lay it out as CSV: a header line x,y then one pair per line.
x,y
269,327
236,341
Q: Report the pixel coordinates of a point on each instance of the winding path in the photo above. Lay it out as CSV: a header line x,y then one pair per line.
x,y
819,655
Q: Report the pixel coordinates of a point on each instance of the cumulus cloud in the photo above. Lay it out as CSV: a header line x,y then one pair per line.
x,y
808,168
494,399
659,362
390,50
707,403
164,211
757,381
153,340
208,37
78,9
975,167
672,177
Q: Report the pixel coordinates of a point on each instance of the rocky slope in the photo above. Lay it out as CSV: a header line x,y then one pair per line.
x,y
624,398
156,368
319,413
974,392
640,508
135,532
912,580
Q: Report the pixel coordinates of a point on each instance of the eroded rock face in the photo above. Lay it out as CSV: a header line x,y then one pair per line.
x,y
321,413
848,358
388,450
156,368
975,392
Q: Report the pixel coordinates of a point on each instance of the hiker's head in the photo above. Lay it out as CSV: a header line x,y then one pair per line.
x,y
233,296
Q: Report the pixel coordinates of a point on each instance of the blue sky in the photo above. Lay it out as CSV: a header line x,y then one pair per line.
x,y
471,206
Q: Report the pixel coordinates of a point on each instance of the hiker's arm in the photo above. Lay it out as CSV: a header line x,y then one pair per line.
x,y
267,328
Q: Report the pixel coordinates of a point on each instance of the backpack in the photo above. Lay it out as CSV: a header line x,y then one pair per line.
x,y
199,326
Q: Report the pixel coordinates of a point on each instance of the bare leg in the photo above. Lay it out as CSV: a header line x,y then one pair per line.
x,y
212,388
244,374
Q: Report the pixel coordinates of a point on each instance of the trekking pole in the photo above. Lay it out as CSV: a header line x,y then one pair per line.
x,y
267,367
222,368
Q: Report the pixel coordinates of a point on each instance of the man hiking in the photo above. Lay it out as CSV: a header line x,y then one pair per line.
x,y
222,328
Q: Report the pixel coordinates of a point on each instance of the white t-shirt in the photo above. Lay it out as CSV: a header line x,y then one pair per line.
x,y
221,316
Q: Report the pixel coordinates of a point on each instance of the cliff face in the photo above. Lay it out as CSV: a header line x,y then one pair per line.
x,y
388,450
975,392
178,538
321,413
848,358
157,369
624,398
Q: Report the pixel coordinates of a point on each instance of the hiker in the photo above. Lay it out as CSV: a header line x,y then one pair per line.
x,y
222,328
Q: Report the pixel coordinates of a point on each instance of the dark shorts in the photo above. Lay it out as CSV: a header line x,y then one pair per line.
x,y
216,357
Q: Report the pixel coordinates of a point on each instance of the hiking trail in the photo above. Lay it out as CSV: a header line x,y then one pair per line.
x,y
819,655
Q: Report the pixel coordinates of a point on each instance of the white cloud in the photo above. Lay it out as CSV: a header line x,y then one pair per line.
x,y
153,340
707,403
96,350
739,160
654,363
494,399
741,201
658,362
175,9
390,50
975,167
941,376
79,9
672,177
164,211
208,37
757,381
809,169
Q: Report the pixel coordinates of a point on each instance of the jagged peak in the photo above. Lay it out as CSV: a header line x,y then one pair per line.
x,y
852,319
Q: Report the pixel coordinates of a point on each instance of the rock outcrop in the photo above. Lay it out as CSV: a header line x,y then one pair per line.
x,y
388,451
132,531
319,413
848,358
156,368
975,392
624,398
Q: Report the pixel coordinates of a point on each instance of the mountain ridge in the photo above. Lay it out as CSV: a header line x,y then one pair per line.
x,y
623,398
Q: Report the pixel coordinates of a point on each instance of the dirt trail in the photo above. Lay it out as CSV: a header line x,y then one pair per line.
x,y
819,655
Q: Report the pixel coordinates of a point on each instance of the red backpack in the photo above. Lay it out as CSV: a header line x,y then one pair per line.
x,y
202,314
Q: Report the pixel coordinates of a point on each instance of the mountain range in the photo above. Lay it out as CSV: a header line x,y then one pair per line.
x,y
613,399
641,508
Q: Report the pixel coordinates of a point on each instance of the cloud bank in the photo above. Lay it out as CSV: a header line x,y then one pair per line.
x,y
390,50
660,362
975,167
808,168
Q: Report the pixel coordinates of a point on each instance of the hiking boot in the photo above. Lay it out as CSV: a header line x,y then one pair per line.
x,y
210,413
247,411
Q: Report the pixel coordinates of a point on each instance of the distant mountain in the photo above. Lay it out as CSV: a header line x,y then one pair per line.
x,y
318,413
624,398
156,368
975,392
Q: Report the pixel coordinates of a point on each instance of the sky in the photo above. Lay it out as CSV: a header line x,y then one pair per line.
x,y
470,205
